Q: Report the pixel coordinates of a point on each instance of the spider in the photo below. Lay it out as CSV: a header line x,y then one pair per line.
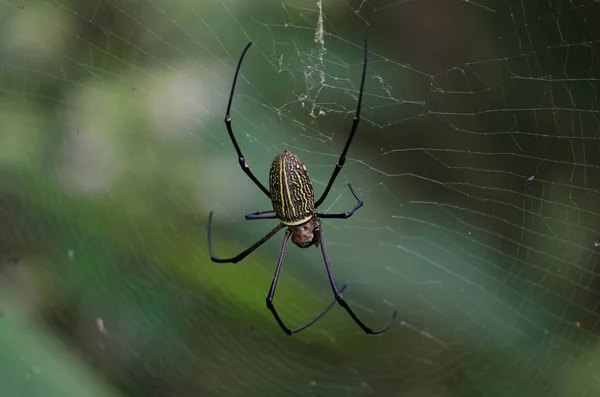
x,y
292,197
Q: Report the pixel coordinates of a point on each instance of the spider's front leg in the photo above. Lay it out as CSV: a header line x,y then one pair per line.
x,y
355,120
241,159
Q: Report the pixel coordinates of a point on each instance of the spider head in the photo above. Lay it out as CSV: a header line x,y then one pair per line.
x,y
306,234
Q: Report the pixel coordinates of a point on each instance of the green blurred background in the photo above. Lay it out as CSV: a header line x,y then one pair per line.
x,y
113,151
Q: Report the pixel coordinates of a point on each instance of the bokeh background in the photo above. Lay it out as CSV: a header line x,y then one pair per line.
x,y
477,158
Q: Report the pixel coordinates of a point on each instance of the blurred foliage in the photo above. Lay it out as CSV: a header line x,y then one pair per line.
x,y
36,364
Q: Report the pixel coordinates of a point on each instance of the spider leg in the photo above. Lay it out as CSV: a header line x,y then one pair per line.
x,y
241,158
355,120
243,254
261,215
346,214
338,293
271,294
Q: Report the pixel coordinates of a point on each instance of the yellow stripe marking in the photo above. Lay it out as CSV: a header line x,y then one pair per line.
x,y
296,223
281,185
287,189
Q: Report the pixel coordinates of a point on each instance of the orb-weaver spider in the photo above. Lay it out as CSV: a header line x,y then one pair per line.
x,y
291,194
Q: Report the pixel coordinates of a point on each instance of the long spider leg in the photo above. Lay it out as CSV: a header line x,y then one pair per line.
x,y
261,215
271,294
241,158
346,214
243,254
338,293
355,121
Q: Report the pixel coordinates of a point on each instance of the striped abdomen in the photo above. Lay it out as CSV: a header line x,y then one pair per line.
x,y
292,193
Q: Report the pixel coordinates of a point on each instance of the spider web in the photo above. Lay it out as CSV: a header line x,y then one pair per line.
x,y
477,157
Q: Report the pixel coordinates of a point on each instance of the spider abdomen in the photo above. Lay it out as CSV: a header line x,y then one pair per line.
x,y
292,193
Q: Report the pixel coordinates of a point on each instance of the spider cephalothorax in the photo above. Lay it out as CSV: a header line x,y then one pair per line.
x,y
306,234
292,197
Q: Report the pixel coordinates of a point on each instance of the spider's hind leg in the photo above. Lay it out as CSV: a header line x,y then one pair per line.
x,y
271,294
